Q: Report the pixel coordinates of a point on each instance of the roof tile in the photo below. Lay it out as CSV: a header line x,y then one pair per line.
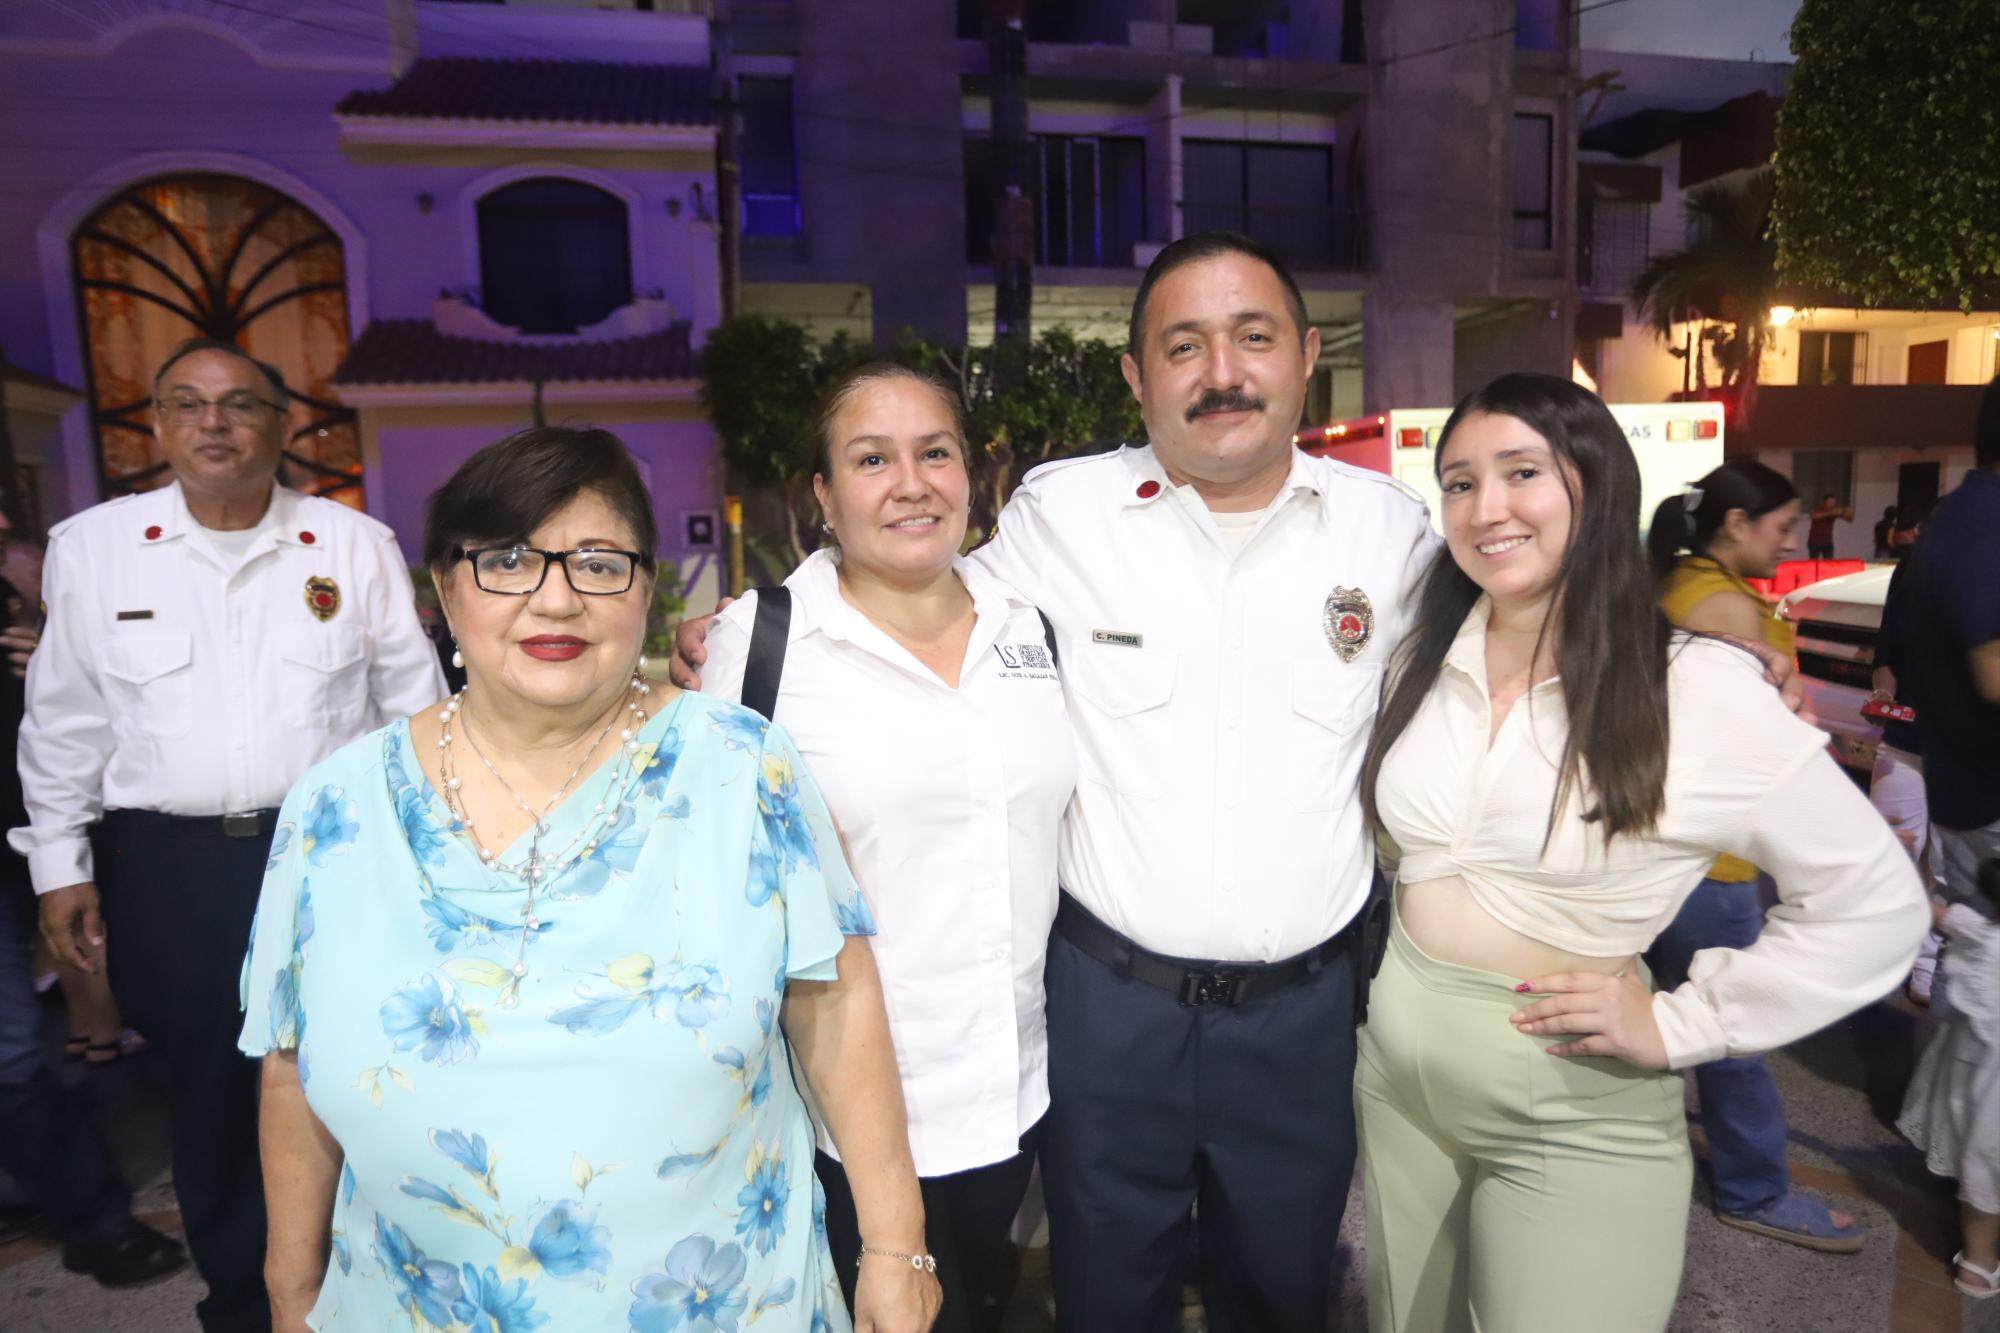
x,y
591,92
412,351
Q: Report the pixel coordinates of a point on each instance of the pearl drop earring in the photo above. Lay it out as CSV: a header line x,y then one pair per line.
x,y
642,664
457,658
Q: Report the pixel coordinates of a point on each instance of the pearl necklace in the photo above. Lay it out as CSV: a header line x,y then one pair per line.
x,y
533,870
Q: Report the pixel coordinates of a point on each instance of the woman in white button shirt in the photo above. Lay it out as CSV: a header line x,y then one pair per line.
x,y
1557,767
925,699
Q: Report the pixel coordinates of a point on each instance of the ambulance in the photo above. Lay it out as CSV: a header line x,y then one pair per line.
x,y
1676,444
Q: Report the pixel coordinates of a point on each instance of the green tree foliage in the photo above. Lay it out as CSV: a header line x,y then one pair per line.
x,y
761,379
1727,275
1889,151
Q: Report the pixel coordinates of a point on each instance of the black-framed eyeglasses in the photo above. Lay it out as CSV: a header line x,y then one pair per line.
x,y
518,571
238,409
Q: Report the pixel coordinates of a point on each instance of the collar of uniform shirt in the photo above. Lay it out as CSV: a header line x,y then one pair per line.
x,y
176,522
1144,464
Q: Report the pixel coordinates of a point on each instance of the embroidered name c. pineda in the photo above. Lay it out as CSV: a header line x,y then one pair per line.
x,y
1124,638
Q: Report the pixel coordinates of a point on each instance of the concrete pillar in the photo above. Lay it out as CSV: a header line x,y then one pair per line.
x,y
1163,162
1406,344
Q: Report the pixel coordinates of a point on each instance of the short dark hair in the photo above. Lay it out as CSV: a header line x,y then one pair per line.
x,y
504,492
819,441
1212,245
271,373
1986,436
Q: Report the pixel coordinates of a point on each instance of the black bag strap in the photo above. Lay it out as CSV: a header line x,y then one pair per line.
x,y
1049,635
765,667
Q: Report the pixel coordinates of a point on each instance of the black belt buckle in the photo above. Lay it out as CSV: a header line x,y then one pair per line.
x,y
246,825
1199,988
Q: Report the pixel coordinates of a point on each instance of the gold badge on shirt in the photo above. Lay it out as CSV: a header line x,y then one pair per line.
x,y
323,598
1349,621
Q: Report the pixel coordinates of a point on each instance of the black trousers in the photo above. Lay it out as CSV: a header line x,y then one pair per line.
x,y
1155,1106
178,906
47,1143
966,1219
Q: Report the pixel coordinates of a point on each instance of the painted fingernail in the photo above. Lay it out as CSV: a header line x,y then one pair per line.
x,y
1521,989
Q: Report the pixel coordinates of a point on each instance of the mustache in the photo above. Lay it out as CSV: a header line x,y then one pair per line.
x,y
1224,400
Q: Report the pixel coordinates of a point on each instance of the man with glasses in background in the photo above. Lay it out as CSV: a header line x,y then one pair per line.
x,y
205,644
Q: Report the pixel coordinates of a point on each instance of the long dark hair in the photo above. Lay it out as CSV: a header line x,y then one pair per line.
x,y
1677,526
1611,639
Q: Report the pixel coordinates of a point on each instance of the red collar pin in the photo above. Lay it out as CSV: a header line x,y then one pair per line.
x,y
1148,489
153,533
307,538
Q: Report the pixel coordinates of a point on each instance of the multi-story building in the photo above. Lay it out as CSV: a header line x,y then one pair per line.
x,y
1874,406
1411,159
437,219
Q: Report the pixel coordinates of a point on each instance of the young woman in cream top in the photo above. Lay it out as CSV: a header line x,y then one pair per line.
x,y
1557,767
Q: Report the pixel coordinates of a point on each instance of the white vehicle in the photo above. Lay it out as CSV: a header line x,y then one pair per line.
x,y
1835,623
1676,444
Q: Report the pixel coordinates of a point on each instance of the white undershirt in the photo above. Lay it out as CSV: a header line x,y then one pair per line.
x,y
1236,529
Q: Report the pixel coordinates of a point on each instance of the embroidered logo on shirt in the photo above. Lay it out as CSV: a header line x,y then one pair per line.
x,y
1349,621
1124,638
323,598
1028,661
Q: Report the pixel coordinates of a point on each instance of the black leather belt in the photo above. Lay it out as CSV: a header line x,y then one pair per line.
x,y
243,824
1193,981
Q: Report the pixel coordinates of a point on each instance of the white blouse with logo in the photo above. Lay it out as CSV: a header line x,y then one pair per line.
x,y
948,802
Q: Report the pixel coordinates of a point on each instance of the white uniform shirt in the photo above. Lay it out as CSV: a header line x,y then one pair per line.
x,y
947,801
172,678
1219,734
1744,776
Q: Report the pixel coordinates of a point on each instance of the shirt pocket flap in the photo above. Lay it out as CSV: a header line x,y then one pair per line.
x,y
1119,682
332,651
1339,698
141,656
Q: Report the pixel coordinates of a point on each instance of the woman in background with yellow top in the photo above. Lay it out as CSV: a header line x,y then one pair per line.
x,y
1735,524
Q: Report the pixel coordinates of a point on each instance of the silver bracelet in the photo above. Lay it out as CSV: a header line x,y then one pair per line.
x,y
923,1263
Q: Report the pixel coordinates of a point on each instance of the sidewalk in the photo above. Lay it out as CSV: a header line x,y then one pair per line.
x,y
1842,1088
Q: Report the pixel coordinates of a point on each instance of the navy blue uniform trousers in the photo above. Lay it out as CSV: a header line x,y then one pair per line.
x,y
177,912
1248,1110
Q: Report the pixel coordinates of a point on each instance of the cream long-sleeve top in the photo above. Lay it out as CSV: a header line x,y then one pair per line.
x,y
1744,776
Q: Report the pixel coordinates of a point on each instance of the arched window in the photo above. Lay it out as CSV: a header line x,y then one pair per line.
x,y
215,256
553,255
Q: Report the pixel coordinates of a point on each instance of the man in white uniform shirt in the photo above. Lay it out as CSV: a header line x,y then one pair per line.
x,y
206,643
1223,605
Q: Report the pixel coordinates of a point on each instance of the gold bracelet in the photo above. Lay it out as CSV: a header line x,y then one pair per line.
x,y
923,1263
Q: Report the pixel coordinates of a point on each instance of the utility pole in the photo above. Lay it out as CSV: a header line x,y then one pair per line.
x,y
1014,211
729,252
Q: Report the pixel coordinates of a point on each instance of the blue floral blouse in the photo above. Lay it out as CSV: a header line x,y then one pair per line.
x,y
611,1140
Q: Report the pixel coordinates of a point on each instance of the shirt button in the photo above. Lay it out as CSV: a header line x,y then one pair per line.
x,y
1229,886
1232,724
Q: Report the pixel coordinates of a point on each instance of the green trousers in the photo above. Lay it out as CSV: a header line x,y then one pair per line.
x,y
1510,1190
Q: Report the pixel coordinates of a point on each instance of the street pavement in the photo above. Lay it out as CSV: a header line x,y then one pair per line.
x,y
1842,1088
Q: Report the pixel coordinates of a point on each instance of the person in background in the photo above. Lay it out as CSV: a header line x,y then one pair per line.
x,y
1884,529
1951,1111
47,1143
1819,535
950,815
1736,523
206,643
530,967
1558,767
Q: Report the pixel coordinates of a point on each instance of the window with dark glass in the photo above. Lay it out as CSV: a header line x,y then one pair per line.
x,y
1614,241
1281,194
1089,199
554,255
1829,358
768,157
1534,217
1538,24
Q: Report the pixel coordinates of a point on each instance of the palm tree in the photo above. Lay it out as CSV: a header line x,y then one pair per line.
x,y
1728,274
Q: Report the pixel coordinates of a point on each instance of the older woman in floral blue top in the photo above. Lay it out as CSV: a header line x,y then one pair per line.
x,y
529,967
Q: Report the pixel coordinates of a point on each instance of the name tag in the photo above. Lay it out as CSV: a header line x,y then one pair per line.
x,y
135,615
1122,638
